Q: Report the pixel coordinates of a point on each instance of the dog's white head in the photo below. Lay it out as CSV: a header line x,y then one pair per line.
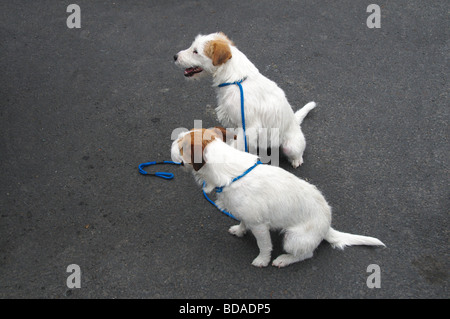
x,y
206,54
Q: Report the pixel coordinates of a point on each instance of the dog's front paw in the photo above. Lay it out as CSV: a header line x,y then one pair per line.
x,y
261,261
237,230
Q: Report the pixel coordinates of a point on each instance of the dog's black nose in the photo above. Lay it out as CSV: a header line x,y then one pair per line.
x,y
175,57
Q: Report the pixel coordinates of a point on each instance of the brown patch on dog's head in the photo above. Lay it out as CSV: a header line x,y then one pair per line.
x,y
223,133
192,145
218,50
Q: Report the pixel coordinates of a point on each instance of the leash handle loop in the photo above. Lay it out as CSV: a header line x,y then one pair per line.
x,y
164,175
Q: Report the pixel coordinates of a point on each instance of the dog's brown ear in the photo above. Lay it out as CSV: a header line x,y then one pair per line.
x,y
197,166
223,133
198,145
191,149
218,51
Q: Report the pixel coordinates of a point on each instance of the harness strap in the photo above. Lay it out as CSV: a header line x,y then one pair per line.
x,y
238,83
220,189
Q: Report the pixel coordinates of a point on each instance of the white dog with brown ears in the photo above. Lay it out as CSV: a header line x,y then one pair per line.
x,y
262,197
266,106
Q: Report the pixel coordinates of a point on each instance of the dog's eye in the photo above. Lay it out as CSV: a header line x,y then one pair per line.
x,y
195,51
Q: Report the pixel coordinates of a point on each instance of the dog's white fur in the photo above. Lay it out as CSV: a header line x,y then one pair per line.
x,y
266,198
266,106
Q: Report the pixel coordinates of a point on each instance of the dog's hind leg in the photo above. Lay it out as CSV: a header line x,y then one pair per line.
x,y
294,145
262,235
299,243
288,259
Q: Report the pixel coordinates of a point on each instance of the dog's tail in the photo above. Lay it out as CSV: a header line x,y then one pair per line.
x,y
340,240
301,114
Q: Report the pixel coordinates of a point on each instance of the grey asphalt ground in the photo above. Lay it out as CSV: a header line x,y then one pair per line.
x,y
80,109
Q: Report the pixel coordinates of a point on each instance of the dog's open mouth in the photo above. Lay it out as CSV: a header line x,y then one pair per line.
x,y
191,71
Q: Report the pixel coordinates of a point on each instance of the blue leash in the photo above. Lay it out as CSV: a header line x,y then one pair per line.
x,y
215,205
157,174
166,175
238,83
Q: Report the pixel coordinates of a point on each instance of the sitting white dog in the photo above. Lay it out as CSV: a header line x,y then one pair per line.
x,y
266,106
263,197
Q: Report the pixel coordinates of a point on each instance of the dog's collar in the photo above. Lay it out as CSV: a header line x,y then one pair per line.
x,y
220,189
231,83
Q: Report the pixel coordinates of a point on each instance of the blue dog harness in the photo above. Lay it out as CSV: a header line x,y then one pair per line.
x,y
238,83
220,190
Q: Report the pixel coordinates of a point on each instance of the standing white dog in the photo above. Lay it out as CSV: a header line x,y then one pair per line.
x,y
266,106
262,197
